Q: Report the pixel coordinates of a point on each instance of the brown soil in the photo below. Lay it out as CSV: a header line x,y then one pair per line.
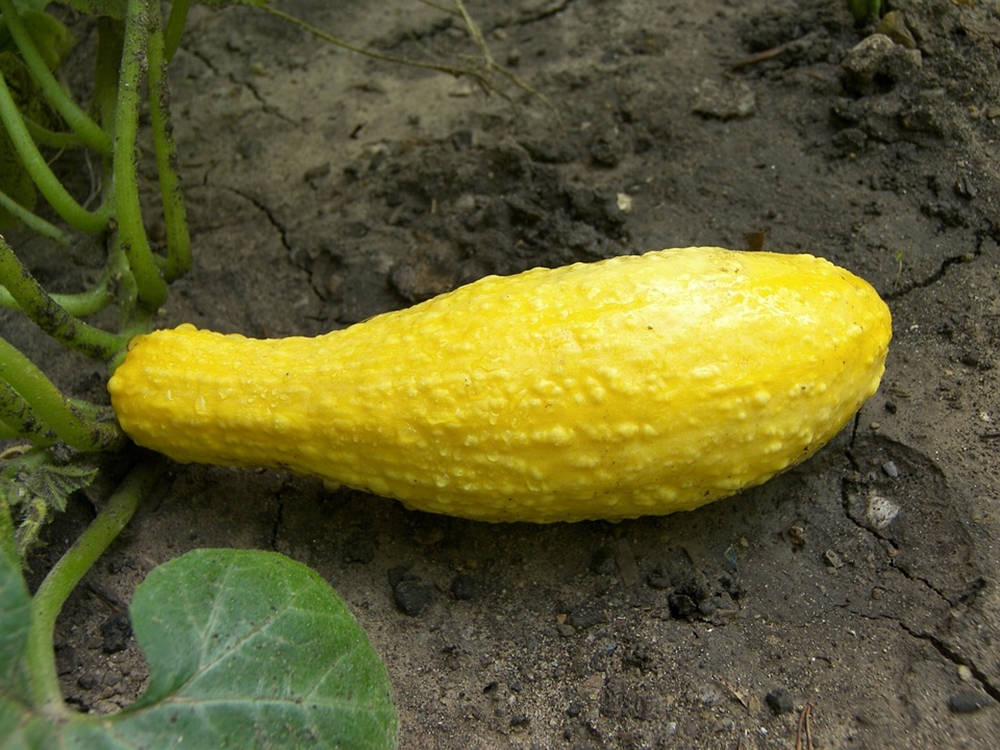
x,y
325,187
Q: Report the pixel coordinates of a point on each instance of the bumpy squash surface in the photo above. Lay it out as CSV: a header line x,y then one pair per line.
x,y
631,386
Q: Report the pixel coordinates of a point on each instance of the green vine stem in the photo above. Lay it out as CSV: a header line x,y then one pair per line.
x,y
175,27
49,185
49,316
7,432
78,120
79,304
34,222
20,420
152,288
174,214
51,138
52,408
66,574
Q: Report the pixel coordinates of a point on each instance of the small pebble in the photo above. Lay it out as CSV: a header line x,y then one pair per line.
x,y
893,25
797,535
890,468
586,616
832,559
880,511
964,673
967,701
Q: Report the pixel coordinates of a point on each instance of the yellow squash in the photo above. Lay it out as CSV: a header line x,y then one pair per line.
x,y
642,384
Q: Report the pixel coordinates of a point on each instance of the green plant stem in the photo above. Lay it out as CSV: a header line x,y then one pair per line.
x,y
7,432
174,214
64,204
51,407
80,304
175,27
51,138
152,288
49,316
34,222
78,120
66,574
20,420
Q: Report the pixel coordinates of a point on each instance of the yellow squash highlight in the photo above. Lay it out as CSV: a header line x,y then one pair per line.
x,y
631,386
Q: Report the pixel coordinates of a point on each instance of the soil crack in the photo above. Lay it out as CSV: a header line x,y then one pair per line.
x,y
272,219
845,501
279,520
947,651
942,270
547,10
247,83
264,105
956,658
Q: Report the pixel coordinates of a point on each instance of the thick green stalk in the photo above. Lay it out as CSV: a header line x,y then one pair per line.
x,y
52,408
78,120
20,419
48,315
66,574
174,214
7,432
48,184
151,286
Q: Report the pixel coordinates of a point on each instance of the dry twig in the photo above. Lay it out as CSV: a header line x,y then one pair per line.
x,y
804,726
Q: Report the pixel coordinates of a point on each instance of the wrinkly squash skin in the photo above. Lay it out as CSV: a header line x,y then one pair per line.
x,y
631,386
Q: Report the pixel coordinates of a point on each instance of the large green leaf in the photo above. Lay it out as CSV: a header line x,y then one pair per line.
x,y
251,649
245,649
15,619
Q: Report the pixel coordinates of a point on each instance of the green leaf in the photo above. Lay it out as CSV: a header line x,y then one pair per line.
x,y
20,730
245,649
251,649
15,619
23,480
53,40
35,484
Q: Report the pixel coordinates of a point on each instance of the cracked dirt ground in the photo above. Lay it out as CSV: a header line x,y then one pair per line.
x,y
325,187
